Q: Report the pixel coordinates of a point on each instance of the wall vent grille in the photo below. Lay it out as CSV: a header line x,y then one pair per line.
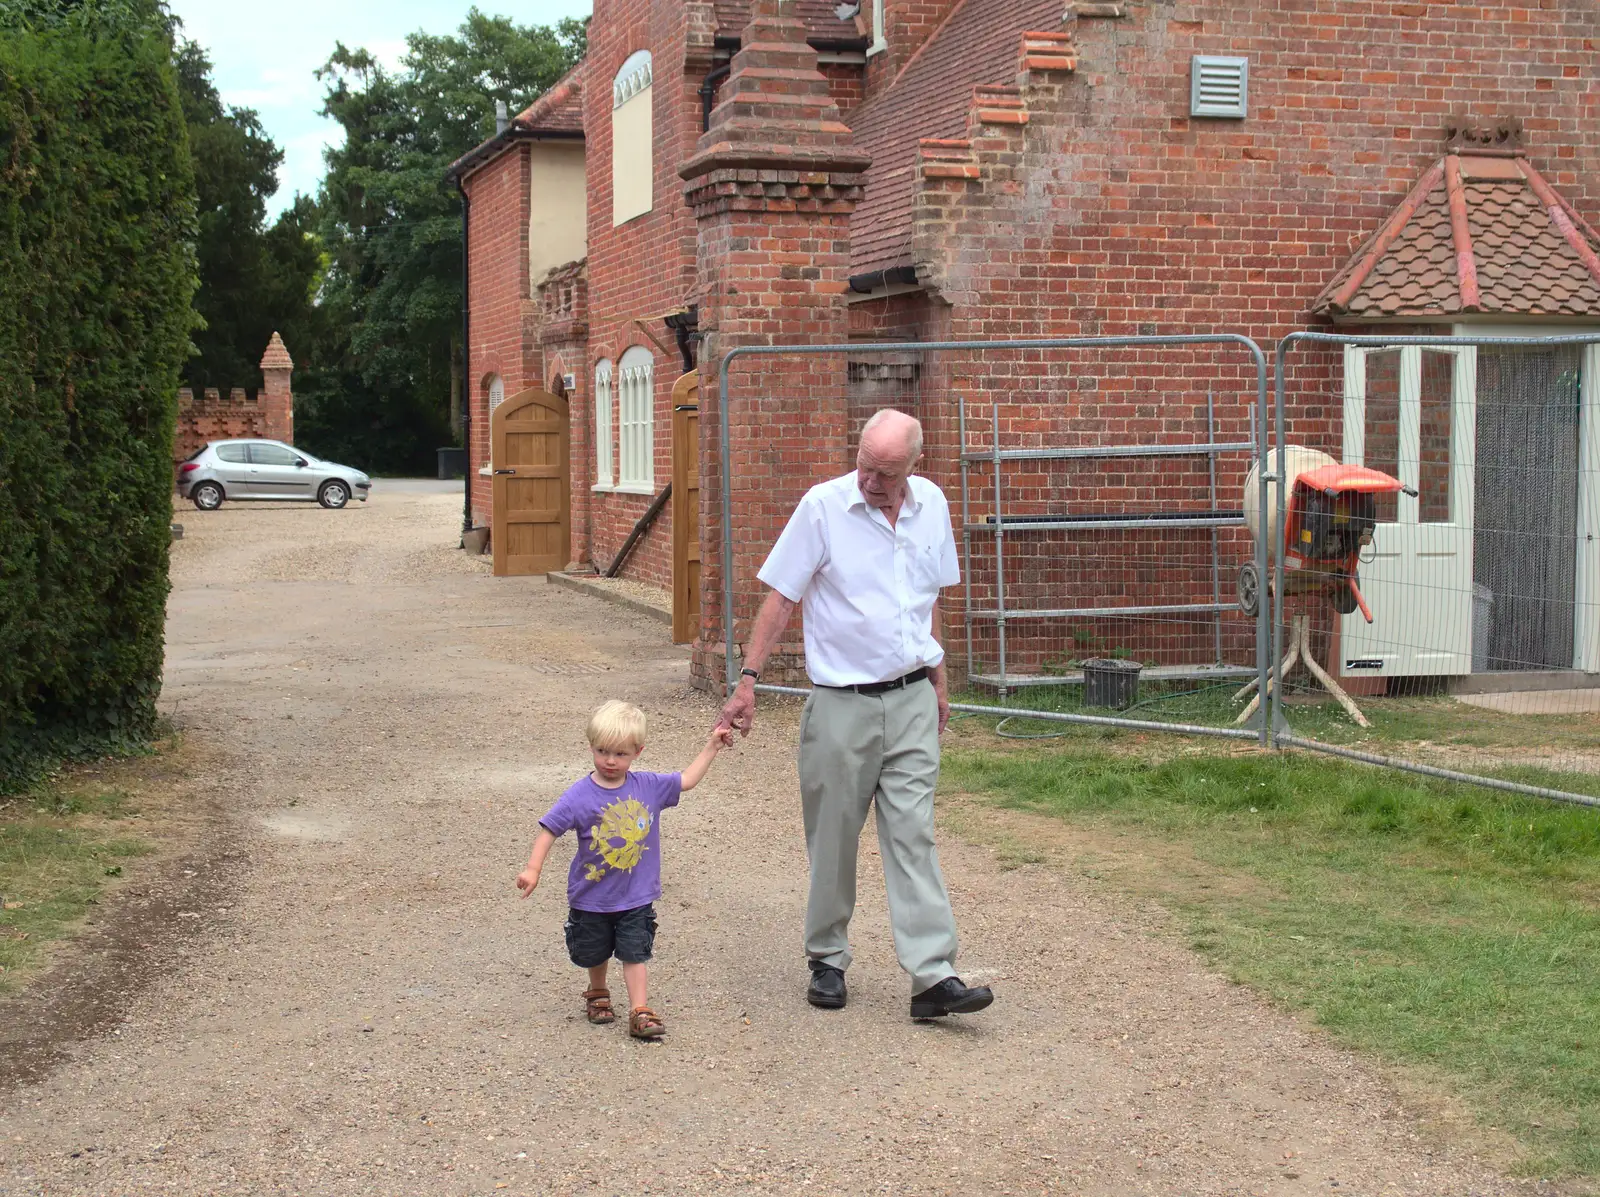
x,y
1219,86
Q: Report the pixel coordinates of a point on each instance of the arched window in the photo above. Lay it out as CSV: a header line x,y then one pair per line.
x,y
494,390
633,171
602,425
637,404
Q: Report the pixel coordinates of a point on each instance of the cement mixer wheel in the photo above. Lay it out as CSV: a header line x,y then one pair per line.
x,y
1344,597
1249,589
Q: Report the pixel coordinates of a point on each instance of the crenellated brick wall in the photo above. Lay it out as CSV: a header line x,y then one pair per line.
x,y
269,415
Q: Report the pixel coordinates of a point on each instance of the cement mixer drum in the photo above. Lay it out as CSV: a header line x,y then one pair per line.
x,y
1299,460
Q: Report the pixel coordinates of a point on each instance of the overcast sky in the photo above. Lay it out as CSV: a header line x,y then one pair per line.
x,y
264,56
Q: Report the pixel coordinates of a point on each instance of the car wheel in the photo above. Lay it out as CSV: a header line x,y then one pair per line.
x,y
207,496
333,495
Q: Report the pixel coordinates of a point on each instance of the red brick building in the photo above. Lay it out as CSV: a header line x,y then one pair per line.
x,y
950,170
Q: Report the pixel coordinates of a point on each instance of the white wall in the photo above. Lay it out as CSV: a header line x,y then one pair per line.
x,y
558,225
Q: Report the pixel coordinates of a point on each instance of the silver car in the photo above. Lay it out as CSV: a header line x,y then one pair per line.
x,y
266,470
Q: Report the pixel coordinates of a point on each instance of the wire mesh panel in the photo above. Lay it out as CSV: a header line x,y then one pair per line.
x,y
1463,630
1096,489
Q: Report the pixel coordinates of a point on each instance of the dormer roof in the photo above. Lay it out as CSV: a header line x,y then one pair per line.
x,y
1481,234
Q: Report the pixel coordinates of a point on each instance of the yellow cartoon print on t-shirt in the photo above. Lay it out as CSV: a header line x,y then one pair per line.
x,y
619,836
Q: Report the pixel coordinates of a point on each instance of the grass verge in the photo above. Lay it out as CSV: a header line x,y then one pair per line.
x,y
67,840
1436,925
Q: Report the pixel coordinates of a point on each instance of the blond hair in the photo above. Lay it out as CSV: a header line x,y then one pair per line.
x,y
615,724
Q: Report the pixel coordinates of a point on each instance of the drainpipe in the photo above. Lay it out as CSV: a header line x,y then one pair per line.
x,y
467,389
708,88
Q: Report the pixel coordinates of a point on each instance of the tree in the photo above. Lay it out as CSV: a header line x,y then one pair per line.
x,y
254,280
96,275
392,227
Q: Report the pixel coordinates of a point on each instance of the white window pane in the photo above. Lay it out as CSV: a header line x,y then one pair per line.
x,y
602,425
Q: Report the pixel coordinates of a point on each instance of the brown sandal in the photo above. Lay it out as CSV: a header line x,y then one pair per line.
x,y
644,1023
597,1005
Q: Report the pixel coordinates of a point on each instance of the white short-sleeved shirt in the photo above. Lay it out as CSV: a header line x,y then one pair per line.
x,y
866,589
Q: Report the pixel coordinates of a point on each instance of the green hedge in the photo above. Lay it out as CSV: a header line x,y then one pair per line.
x,y
96,277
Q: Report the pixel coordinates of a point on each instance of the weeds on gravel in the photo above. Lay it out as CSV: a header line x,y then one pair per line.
x,y
59,844
1434,924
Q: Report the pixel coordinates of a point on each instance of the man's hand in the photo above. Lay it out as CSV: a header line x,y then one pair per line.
x,y
941,692
739,712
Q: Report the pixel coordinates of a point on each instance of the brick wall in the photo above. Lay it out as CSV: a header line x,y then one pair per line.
x,y
269,415
1088,202
642,269
772,187
215,418
500,302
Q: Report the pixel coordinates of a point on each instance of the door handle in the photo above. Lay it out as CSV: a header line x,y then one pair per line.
x,y
505,471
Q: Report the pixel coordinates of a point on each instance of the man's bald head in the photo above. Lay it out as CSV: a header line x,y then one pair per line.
x,y
891,436
891,442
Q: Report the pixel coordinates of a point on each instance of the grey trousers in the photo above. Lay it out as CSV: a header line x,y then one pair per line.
x,y
880,750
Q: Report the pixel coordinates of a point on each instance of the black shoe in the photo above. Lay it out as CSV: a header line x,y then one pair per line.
x,y
827,987
950,996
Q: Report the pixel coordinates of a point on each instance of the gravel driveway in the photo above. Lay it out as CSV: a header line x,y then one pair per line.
x,y
370,1010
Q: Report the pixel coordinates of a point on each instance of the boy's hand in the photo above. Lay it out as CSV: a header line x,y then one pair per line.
x,y
721,737
528,881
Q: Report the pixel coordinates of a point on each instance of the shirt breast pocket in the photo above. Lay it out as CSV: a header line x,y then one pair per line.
x,y
925,568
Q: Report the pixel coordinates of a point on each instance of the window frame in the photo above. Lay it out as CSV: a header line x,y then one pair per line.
x,y
266,449
604,442
879,44
491,381
633,84
636,467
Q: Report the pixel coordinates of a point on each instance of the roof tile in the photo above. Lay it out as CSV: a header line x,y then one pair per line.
x,y
930,98
1526,264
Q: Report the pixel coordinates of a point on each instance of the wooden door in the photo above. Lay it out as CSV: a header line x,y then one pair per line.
x,y
532,503
686,508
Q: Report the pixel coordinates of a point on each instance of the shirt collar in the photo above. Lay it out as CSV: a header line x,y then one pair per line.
x,y
910,505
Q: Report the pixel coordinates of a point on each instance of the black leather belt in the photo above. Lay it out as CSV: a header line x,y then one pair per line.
x,y
899,683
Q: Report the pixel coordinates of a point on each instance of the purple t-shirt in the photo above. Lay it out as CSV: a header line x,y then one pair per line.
x,y
618,862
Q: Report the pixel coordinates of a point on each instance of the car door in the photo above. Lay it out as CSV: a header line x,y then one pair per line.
x,y
277,472
233,470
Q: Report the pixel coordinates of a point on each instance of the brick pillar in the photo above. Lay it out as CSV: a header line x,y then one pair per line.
x,y
277,397
772,186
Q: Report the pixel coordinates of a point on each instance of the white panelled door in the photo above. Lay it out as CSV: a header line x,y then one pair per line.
x,y
1411,412
1586,642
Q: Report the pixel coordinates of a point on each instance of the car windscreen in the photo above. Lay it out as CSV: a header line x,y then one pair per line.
x,y
233,453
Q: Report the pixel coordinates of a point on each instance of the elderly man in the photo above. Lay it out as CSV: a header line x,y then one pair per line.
x,y
866,554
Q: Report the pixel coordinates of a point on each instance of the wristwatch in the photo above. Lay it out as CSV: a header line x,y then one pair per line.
x,y
754,674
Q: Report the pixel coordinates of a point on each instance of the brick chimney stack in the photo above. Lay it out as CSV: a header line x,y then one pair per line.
x,y
277,398
772,185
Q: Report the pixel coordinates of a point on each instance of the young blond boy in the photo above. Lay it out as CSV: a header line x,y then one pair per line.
x,y
616,872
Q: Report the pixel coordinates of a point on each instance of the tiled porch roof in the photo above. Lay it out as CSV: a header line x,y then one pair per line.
x,y
1479,235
